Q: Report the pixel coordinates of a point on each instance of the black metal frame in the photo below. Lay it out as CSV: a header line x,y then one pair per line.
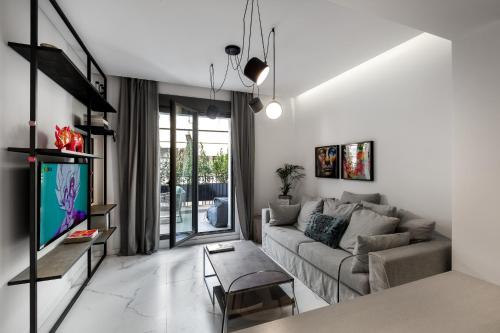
x,y
173,176
33,167
339,271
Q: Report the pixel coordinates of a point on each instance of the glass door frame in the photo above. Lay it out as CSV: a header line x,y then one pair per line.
x,y
170,109
174,106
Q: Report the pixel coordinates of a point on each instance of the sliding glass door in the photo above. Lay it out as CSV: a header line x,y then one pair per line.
x,y
196,194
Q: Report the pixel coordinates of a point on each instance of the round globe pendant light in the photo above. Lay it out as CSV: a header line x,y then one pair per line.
x,y
256,70
274,110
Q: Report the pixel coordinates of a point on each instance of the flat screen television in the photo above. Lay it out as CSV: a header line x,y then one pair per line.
x,y
63,198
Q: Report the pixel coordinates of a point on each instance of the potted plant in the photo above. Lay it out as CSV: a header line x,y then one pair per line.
x,y
289,175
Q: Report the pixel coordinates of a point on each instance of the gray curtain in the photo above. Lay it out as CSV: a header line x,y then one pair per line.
x,y
243,151
138,152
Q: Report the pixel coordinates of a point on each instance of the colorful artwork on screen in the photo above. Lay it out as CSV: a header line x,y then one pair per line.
x,y
63,199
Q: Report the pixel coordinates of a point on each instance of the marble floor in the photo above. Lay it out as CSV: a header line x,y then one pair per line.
x,y
163,292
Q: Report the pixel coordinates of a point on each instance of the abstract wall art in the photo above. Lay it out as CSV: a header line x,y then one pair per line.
x,y
327,161
357,161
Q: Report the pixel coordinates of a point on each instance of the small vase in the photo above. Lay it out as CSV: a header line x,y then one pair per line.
x,y
284,199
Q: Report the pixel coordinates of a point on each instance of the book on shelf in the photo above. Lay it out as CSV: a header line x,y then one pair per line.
x,y
96,120
220,247
81,236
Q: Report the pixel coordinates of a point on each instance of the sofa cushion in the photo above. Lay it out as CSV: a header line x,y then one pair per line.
x,y
348,197
329,205
367,244
326,229
328,260
365,222
337,208
307,209
385,210
420,229
283,215
288,237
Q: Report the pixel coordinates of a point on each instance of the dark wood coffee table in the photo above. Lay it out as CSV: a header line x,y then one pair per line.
x,y
242,271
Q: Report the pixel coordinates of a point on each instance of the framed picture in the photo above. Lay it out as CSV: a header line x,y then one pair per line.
x,y
357,161
327,161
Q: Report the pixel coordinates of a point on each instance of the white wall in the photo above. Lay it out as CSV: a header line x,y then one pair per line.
x,y
401,100
476,162
274,146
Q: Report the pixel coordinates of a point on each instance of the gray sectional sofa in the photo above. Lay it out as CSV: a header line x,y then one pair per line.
x,y
317,264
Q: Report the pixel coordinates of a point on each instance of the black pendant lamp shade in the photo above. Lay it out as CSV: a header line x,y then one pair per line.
x,y
256,70
256,104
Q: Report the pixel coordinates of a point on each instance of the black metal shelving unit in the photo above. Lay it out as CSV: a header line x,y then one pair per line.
x,y
54,63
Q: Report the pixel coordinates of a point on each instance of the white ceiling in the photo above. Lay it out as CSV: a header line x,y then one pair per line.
x,y
176,40
446,18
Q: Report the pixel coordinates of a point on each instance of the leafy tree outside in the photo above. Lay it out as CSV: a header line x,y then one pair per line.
x,y
210,168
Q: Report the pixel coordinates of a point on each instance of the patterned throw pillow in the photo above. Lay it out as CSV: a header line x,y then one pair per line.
x,y
326,229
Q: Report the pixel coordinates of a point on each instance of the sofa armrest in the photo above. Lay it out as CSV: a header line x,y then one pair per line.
x,y
266,216
393,267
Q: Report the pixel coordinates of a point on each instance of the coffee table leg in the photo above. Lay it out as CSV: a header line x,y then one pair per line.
x,y
205,276
224,312
294,299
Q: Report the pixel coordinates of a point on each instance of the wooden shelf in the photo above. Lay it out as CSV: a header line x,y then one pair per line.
x,y
59,261
54,63
101,210
104,236
53,152
96,130
54,264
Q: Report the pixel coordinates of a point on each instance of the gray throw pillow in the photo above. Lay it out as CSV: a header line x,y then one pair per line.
x,y
348,197
385,210
338,208
365,222
367,244
307,210
420,229
283,215
329,205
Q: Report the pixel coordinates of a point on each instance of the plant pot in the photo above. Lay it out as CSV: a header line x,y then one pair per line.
x,y
285,199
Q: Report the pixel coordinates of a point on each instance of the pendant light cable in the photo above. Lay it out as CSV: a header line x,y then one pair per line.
x,y
236,62
274,63
261,33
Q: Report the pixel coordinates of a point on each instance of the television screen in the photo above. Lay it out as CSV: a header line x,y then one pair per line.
x,y
63,199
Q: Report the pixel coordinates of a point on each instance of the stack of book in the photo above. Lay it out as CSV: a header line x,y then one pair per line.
x,y
81,236
220,247
96,120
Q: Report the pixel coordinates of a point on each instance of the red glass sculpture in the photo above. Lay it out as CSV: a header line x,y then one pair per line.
x,y
68,139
